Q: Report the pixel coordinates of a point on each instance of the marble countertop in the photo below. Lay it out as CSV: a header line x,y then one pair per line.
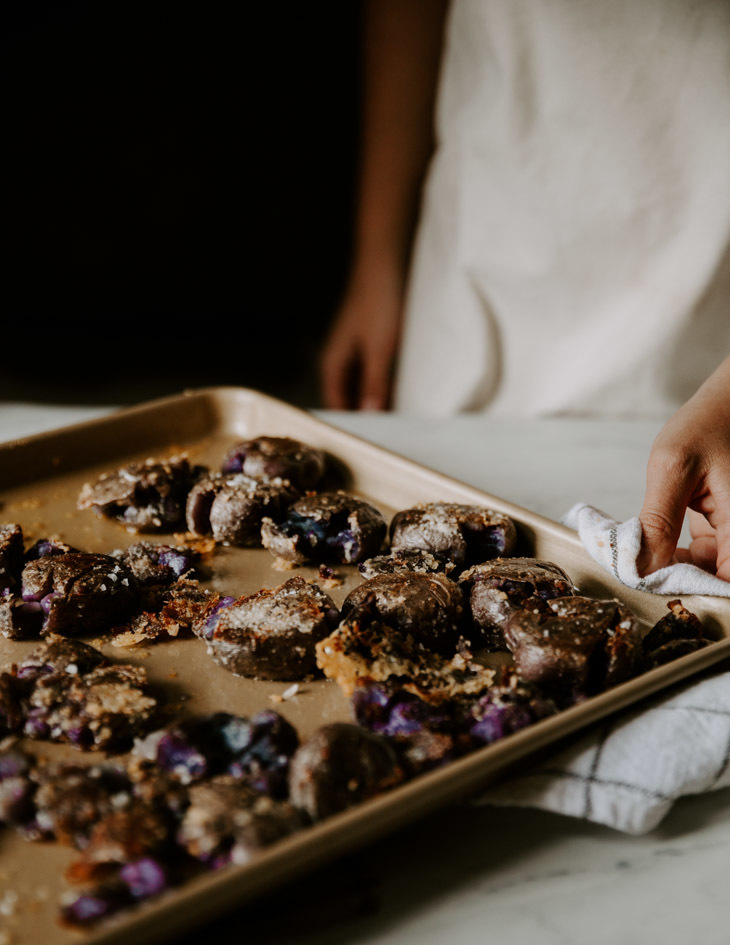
x,y
478,874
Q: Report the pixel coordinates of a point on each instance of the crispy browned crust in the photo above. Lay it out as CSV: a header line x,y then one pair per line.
x,y
272,634
359,653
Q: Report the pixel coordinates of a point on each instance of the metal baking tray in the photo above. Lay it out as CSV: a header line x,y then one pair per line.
x,y
40,478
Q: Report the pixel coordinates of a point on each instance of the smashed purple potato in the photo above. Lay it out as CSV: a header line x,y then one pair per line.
x,y
77,593
70,693
575,647
227,821
327,527
133,883
428,736
339,766
497,588
19,618
72,798
57,657
67,691
144,497
271,634
154,564
463,534
676,634
46,547
277,457
428,607
255,750
511,705
407,627
424,735
102,710
63,590
232,507
125,829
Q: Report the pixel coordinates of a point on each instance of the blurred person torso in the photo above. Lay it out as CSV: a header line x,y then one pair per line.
x,y
573,254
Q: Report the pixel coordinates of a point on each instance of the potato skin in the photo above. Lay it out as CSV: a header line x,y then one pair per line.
x,y
340,766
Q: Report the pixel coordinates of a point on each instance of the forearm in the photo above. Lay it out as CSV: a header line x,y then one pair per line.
x,y
401,53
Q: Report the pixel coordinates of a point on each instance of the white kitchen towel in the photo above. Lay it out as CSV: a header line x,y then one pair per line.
x,y
629,773
616,546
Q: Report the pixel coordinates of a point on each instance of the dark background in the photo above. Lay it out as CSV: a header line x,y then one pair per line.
x,y
178,195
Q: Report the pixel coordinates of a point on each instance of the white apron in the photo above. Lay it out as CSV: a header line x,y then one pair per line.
x,y
573,252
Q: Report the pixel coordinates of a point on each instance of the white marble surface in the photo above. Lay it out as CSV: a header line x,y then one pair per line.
x,y
472,875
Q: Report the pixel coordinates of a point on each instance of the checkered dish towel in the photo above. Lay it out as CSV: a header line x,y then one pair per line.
x,y
629,774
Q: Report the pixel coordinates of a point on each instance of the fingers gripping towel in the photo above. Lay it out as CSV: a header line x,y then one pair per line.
x,y
629,775
616,546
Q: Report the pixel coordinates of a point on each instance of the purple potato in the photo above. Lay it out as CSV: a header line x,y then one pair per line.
x,y
340,766
145,497
20,619
45,547
153,564
428,607
227,821
232,507
577,647
327,527
256,750
463,534
497,588
173,609
79,593
678,624
677,634
271,634
277,457
103,708
93,905
424,735
72,798
60,655
506,708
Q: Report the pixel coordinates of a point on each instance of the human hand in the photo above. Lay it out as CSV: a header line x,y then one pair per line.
x,y
689,468
358,356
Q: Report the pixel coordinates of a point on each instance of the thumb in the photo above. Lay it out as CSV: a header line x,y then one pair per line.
x,y
670,482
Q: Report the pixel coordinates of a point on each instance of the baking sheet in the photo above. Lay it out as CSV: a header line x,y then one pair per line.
x,y
39,481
